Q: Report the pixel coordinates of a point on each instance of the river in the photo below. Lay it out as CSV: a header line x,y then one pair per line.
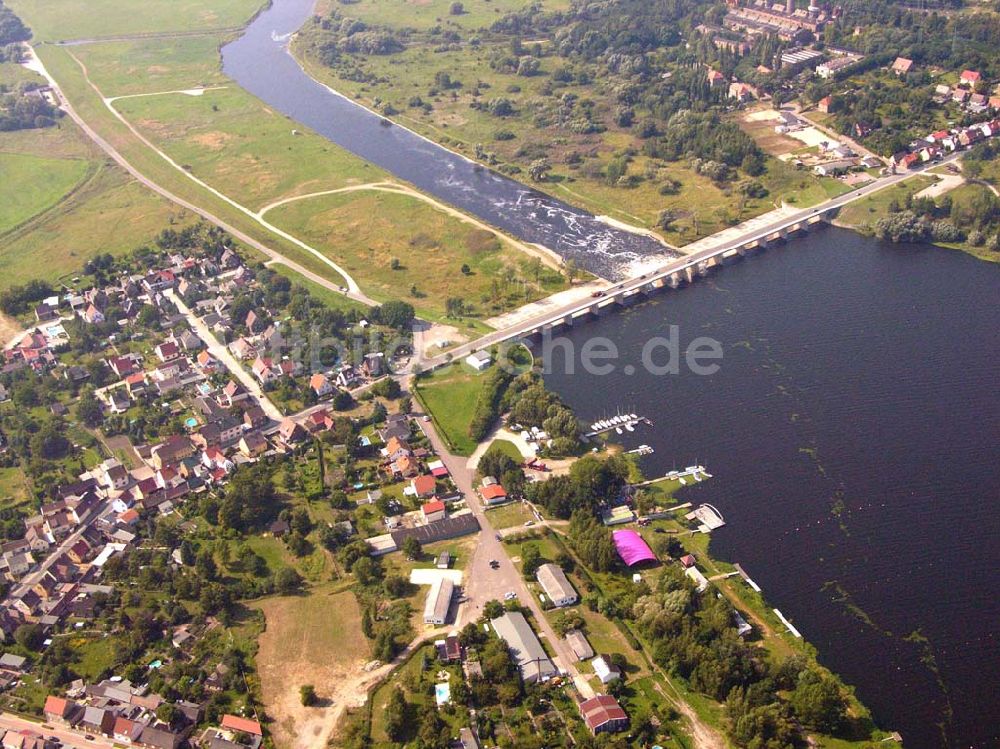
x,y
260,62
861,376
852,428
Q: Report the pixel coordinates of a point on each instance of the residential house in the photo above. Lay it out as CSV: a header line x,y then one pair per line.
x,y
901,66
494,494
320,385
93,315
373,365
742,92
97,720
172,450
252,444
241,348
46,312
232,393
969,78
254,322
241,725
167,351
433,511
291,432
479,360
254,417
206,362
347,377
423,486
605,670
61,711
715,78
824,104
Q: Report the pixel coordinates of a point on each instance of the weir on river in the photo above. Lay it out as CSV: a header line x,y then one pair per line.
x,y
261,63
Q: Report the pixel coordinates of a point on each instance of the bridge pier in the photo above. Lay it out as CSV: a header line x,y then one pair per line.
x,y
619,299
689,274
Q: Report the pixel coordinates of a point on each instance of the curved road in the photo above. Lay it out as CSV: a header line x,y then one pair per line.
x,y
117,157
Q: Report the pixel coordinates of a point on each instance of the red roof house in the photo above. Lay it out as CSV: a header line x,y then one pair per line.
x,y
244,725
424,486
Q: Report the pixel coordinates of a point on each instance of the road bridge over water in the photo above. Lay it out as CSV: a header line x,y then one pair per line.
x,y
676,271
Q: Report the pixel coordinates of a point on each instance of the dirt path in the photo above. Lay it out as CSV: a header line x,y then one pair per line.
x,y
548,257
36,64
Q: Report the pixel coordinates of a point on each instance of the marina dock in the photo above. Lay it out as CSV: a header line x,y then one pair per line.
x,y
619,423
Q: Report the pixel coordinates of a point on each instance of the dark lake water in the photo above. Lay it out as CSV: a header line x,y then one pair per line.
x,y
260,62
856,375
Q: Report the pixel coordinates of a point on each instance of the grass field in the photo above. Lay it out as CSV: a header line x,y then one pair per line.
x,y
508,516
13,487
366,231
55,20
243,148
139,66
309,639
68,205
32,184
449,395
109,213
476,13
578,160
870,209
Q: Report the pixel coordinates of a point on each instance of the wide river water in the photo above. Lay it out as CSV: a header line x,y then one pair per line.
x,y
852,429
852,432
261,63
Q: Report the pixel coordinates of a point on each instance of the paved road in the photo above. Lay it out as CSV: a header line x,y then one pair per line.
x,y
117,157
69,737
221,354
675,265
482,583
32,578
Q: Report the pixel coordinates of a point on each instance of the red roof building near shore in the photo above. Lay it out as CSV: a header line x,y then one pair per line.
x,y
245,725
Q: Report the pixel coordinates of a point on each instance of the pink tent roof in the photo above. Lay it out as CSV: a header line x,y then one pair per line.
x,y
631,548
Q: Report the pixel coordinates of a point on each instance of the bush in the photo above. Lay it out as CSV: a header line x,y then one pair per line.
x,y
307,694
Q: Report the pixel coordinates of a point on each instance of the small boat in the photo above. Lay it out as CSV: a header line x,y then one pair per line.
x,y
618,429
629,427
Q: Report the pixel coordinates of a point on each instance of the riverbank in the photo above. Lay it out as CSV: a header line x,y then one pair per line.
x,y
942,189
